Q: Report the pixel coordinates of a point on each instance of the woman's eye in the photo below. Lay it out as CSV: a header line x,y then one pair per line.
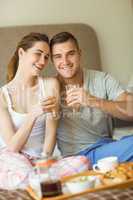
x,y
38,54
46,57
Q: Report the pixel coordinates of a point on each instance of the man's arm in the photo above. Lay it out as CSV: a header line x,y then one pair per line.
x,y
121,108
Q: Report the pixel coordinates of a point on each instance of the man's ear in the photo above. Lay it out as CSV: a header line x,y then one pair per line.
x,y
20,52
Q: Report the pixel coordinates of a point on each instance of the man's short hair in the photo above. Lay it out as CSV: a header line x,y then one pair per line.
x,y
63,37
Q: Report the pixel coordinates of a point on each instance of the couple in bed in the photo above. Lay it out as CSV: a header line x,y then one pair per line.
x,y
36,112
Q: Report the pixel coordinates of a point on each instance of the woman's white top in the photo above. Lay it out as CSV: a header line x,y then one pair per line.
x,y
34,144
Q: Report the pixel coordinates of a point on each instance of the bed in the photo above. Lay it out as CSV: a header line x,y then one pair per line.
x,y
9,37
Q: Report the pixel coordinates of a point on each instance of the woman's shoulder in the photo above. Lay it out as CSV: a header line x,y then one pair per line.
x,y
3,101
2,91
1,94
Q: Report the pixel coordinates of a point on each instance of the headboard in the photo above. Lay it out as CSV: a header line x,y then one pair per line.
x,y
10,36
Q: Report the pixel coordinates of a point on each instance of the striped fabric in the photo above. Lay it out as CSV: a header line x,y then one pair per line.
x,y
115,194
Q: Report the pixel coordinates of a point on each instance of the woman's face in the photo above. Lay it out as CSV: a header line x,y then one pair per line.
x,y
34,59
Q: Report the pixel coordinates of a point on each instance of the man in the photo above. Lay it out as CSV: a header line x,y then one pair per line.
x,y
88,131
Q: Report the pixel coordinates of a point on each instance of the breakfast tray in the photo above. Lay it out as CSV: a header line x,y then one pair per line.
x,y
121,185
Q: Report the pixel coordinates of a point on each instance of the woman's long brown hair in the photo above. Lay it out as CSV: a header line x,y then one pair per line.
x,y
26,43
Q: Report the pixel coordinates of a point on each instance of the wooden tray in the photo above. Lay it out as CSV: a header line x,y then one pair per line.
x,y
69,195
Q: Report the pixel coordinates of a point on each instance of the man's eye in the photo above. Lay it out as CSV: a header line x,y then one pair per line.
x,y
72,53
56,56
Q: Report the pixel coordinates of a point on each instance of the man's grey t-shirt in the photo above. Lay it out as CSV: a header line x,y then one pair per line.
x,y
78,131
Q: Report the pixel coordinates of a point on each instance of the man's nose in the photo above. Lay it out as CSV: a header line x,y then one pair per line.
x,y
65,60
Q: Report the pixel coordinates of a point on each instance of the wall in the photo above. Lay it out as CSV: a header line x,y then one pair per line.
x,y
111,19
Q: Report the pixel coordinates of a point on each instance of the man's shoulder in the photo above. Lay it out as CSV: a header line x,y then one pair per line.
x,y
95,71
95,74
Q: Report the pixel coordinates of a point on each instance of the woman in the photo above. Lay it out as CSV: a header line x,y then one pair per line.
x,y
28,102
23,105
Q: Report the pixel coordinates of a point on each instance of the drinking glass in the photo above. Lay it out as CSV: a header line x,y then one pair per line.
x,y
47,92
69,87
43,181
35,181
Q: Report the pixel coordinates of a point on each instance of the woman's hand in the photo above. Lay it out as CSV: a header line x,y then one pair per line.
x,y
46,105
49,104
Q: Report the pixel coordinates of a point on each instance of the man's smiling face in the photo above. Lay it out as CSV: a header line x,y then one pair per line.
x,y
66,58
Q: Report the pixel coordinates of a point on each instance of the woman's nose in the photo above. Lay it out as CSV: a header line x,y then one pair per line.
x,y
42,60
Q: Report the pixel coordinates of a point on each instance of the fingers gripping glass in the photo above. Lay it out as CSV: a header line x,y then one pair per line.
x,y
68,88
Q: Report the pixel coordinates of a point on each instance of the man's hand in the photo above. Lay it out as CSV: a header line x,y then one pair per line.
x,y
78,96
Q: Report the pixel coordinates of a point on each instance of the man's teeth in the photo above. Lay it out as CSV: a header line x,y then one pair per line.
x,y
67,69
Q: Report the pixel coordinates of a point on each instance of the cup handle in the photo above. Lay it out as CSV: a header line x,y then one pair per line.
x,y
95,168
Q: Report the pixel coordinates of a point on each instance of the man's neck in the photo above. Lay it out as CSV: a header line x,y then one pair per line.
x,y
77,79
